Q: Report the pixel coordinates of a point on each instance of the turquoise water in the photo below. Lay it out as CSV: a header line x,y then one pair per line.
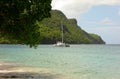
x,y
77,61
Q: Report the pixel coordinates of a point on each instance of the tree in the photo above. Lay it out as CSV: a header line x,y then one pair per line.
x,y
18,19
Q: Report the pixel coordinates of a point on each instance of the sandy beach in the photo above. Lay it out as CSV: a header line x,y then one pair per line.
x,y
12,71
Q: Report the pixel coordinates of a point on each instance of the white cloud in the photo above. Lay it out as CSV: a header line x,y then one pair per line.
x,y
107,21
74,8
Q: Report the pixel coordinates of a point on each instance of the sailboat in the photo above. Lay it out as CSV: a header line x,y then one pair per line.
x,y
61,43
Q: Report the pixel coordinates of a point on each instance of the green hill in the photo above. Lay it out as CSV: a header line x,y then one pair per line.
x,y
50,30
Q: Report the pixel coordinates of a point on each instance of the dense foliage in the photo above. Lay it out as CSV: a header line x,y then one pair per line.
x,y
18,19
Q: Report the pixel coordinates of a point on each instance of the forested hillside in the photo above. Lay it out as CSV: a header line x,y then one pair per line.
x,y
50,31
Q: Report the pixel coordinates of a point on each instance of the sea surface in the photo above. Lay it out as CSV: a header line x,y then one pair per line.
x,y
76,61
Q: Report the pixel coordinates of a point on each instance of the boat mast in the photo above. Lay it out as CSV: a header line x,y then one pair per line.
x,y
62,31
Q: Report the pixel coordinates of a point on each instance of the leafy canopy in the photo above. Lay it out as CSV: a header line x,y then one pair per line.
x,y
18,19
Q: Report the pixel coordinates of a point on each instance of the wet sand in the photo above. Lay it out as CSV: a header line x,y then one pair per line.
x,y
12,71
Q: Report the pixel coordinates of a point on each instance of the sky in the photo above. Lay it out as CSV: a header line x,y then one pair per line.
x,y
101,17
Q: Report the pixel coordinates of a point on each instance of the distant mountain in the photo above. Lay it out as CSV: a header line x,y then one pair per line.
x,y
50,30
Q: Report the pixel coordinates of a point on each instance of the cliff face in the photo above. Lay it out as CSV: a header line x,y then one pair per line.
x,y
50,29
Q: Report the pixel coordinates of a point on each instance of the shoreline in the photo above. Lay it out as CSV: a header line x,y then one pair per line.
x,y
10,71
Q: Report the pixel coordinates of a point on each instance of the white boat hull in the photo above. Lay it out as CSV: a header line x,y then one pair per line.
x,y
60,44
